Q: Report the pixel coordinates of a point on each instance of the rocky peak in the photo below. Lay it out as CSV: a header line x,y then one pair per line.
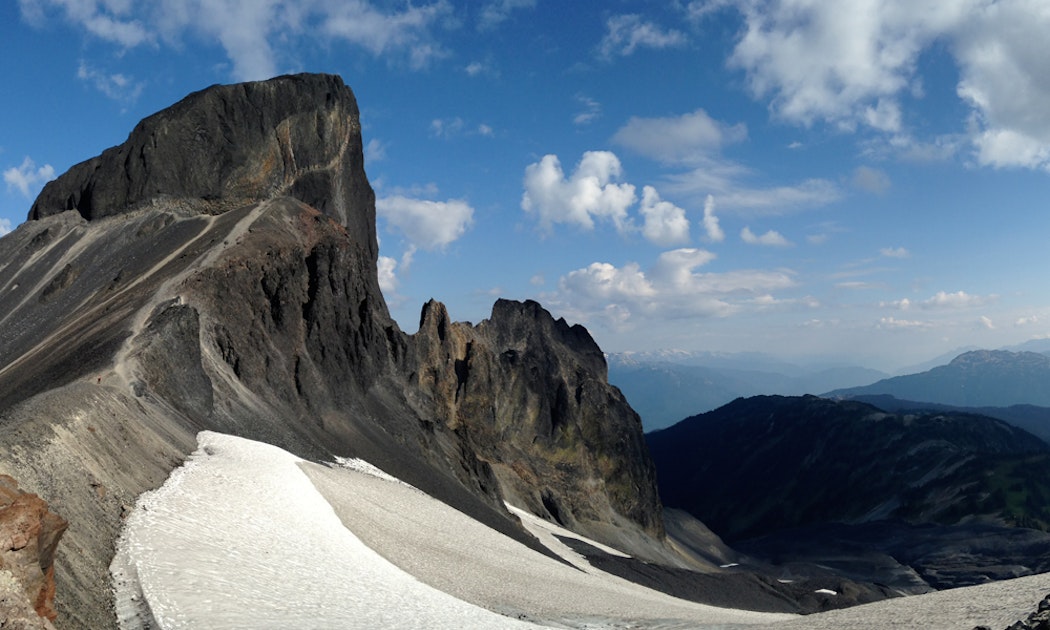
x,y
529,395
227,146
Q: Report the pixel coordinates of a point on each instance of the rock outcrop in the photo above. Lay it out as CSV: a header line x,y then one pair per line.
x,y
218,271
29,535
529,396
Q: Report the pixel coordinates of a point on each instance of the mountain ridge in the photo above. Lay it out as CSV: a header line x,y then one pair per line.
x,y
226,280
978,378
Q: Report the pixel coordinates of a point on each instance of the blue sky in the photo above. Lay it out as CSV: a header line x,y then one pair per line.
x,y
860,181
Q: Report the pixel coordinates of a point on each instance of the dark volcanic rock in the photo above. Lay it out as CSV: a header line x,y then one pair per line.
x,y
530,397
231,145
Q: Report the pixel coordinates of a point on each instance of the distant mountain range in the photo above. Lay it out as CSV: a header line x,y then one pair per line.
x,y
980,378
666,387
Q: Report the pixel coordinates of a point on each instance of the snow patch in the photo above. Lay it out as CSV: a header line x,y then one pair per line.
x,y
548,534
239,537
825,591
361,466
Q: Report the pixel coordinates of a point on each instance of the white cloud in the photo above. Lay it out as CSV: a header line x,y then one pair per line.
x,y
892,323
106,19
871,179
895,252
854,64
446,127
986,322
957,300
715,234
481,68
117,86
673,288
592,109
942,301
456,126
665,223
258,36
375,151
430,225
627,33
1025,321
5,227
590,192
723,179
695,140
28,176
771,238
387,268
841,62
405,31
688,138
496,12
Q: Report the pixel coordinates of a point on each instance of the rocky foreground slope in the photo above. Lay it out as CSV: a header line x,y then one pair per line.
x,y
218,271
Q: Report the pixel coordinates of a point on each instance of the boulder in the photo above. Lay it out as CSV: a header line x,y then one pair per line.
x,y
29,535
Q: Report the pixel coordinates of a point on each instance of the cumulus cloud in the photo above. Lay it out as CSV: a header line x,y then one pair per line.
x,y
840,62
674,287
1027,320
627,33
590,192
688,138
5,226
853,65
28,176
429,225
771,238
665,223
715,234
986,322
387,268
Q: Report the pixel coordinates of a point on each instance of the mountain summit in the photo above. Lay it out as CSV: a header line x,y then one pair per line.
x,y
217,271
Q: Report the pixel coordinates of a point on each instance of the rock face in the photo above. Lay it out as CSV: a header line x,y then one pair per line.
x,y
226,145
29,535
529,396
218,271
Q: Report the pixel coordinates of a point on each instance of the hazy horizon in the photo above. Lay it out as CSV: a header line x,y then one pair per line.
x,y
859,182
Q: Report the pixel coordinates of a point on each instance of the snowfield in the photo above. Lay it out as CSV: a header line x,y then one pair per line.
x,y
246,535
